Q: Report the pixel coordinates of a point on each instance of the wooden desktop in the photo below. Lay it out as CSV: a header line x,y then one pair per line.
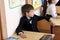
x,y
32,35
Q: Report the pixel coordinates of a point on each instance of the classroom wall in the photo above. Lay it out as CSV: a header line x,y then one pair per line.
x,y
12,17
37,12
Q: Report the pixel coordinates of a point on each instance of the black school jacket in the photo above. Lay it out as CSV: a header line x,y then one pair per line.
x,y
25,24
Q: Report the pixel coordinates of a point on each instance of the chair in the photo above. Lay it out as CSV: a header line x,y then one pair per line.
x,y
44,26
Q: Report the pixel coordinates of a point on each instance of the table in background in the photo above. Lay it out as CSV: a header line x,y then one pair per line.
x,y
56,29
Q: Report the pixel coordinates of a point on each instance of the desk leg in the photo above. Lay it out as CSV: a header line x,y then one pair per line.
x,y
51,29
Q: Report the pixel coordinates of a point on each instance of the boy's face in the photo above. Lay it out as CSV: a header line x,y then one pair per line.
x,y
30,14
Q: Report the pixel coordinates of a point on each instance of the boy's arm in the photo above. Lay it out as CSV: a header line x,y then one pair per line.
x,y
43,17
20,26
48,17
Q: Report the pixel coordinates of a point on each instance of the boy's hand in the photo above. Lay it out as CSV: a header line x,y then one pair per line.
x,y
51,21
22,35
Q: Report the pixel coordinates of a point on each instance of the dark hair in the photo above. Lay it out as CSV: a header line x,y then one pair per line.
x,y
26,8
45,6
49,1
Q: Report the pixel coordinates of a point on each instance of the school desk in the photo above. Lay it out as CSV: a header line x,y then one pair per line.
x,y
56,28
32,35
56,22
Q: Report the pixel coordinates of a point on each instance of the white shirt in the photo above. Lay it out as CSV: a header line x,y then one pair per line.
x,y
51,10
30,20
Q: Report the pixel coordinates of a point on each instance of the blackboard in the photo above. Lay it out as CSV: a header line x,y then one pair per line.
x,y
58,4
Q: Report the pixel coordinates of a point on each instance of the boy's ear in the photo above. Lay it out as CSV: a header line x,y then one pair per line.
x,y
26,13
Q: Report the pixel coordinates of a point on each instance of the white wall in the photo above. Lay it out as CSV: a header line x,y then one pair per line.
x,y
12,17
37,12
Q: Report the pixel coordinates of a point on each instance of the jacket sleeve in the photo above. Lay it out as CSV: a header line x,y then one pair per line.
x,y
47,17
20,26
43,17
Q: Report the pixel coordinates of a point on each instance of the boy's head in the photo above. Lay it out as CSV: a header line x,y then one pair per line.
x,y
27,10
53,1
